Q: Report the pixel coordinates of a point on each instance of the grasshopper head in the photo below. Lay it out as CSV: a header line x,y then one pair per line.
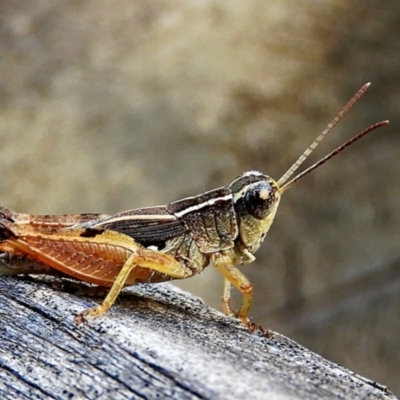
x,y
256,198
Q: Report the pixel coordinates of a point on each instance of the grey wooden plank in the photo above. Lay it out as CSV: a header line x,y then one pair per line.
x,y
156,342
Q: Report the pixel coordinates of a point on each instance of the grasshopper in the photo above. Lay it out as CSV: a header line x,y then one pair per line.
x,y
224,226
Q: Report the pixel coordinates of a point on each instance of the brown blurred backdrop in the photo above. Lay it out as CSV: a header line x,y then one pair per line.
x,y
106,106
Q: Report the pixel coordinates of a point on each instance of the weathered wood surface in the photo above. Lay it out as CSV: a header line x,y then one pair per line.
x,y
157,342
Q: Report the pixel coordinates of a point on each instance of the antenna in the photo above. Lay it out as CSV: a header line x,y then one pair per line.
x,y
323,134
332,154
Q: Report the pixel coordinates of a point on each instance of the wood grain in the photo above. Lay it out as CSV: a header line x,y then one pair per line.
x,y
157,342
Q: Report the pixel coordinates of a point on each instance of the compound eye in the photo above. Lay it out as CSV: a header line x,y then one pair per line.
x,y
259,199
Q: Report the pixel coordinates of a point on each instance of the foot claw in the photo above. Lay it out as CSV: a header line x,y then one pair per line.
x,y
252,327
90,312
80,318
266,332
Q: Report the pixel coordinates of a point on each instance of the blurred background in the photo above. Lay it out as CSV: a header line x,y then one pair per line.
x,y
107,106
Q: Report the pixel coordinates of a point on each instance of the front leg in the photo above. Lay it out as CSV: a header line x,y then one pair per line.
x,y
234,277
